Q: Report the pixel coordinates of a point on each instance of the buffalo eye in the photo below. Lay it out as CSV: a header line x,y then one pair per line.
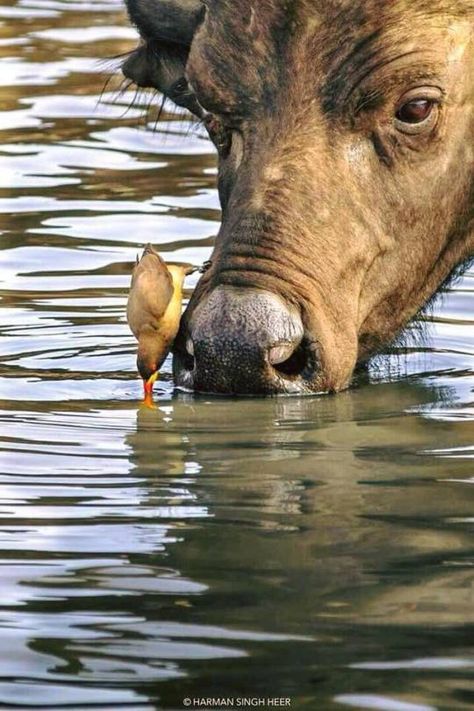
x,y
415,111
418,111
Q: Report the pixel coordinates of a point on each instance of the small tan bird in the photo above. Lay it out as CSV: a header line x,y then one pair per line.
x,y
154,312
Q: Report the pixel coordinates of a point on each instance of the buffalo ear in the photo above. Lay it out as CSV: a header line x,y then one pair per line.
x,y
172,21
167,29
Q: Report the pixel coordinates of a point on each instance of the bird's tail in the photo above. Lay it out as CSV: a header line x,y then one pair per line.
x,y
149,249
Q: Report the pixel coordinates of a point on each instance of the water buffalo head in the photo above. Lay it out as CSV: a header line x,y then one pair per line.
x,y
345,139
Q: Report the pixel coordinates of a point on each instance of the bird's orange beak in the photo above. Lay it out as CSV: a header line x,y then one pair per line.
x,y
148,389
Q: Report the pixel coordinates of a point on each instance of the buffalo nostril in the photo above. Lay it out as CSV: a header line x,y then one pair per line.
x,y
294,364
280,352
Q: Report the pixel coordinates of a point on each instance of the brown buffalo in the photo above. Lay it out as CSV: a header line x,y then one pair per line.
x,y
345,134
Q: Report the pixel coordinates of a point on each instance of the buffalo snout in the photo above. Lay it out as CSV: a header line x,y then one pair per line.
x,y
243,341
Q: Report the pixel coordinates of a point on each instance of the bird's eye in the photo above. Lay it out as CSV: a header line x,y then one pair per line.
x,y
415,111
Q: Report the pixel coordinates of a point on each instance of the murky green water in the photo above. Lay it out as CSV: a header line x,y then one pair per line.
x,y
318,549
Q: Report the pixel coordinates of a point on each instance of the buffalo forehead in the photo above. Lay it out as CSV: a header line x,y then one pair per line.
x,y
248,56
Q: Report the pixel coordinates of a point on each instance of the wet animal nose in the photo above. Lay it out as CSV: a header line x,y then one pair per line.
x,y
243,341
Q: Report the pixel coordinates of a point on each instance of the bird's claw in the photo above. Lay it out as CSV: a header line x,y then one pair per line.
x,y
205,266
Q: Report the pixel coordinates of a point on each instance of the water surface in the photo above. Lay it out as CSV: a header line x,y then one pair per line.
x,y
318,549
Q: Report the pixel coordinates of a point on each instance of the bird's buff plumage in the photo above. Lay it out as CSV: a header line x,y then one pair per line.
x,y
154,312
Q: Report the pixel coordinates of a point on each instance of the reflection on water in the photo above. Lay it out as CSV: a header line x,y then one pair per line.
x,y
313,548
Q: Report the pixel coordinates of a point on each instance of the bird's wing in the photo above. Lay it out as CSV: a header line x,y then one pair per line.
x,y
150,293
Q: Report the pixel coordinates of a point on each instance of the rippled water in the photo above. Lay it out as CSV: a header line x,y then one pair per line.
x,y
318,549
